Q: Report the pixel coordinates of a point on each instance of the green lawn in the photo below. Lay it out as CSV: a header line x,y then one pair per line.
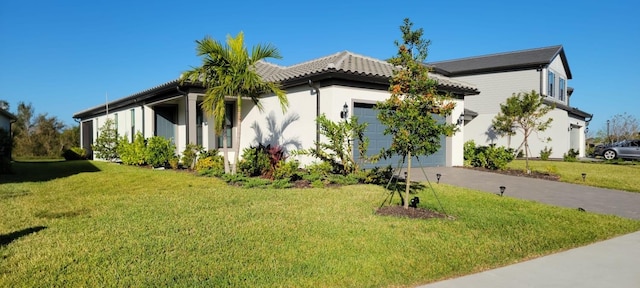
x,y
99,224
604,175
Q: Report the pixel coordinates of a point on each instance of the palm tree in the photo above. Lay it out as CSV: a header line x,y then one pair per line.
x,y
229,71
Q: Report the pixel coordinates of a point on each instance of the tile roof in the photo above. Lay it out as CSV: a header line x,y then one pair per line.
x,y
502,61
342,62
345,62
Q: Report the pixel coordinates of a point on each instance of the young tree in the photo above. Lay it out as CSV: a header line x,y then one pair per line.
x,y
409,113
229,70
523,112
337,150
106,146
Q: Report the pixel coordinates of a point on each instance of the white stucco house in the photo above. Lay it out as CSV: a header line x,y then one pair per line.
x,y
545,70
319,86
326,85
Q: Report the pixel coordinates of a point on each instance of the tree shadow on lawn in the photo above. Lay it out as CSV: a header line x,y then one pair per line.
x,y
45,170
6,239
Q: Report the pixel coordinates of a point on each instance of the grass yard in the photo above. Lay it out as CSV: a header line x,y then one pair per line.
x,y
90,224
604,175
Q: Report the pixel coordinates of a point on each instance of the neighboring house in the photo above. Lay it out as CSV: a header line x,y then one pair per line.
x,y
6,119
498,76
320,86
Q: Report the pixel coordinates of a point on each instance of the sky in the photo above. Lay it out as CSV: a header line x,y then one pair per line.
x,y
67,56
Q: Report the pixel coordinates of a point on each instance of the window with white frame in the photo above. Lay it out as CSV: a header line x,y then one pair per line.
x,y
552,80
562,88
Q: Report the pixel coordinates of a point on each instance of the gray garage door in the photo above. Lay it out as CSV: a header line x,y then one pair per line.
x,y
377,141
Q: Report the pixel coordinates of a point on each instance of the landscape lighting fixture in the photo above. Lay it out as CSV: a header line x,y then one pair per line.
x,y
438,177
502,188
414,202
584,176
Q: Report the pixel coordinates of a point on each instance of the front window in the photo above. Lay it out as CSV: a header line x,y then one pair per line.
x,y
562,86
228,113
552,80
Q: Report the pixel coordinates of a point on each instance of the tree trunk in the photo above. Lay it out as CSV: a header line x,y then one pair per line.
x,y
225,149
238,131
408,182
526,150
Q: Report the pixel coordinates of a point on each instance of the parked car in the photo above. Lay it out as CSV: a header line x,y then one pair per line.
x,y
627,149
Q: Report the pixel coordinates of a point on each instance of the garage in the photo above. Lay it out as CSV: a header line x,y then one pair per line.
x,y
378,141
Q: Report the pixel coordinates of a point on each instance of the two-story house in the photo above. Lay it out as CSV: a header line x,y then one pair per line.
x,y
498,76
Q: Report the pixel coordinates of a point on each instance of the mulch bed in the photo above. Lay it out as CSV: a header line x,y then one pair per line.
x,y
399,211
520,173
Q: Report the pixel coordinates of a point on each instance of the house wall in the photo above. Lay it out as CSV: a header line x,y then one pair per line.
x,y
302,101
556,66
495,89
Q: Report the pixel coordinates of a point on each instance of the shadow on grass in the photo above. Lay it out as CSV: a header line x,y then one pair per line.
x,y
6,239
41,171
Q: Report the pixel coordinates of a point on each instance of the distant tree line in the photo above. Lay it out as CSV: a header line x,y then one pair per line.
x,y
619,127
41,135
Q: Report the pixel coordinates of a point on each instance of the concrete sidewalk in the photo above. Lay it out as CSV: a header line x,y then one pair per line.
x,y
611,263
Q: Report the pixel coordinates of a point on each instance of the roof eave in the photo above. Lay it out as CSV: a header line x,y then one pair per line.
x,y
571,110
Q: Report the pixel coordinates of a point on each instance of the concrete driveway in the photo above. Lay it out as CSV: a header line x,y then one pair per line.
x,y
598,200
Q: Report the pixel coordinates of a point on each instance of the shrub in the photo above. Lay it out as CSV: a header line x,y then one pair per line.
x,y
190,154
281,184
174,162
342,179
490,157
133,153
317,184
159,151
234,179
211,172
469,152
287,170
571,155
255,161
320,168
74,153
254,182
545,153
498,158
377,175
213,162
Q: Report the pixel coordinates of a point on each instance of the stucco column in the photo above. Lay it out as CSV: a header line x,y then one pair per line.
x,y
190,118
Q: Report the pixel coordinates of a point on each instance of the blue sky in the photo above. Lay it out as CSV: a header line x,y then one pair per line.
x,y
65,56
